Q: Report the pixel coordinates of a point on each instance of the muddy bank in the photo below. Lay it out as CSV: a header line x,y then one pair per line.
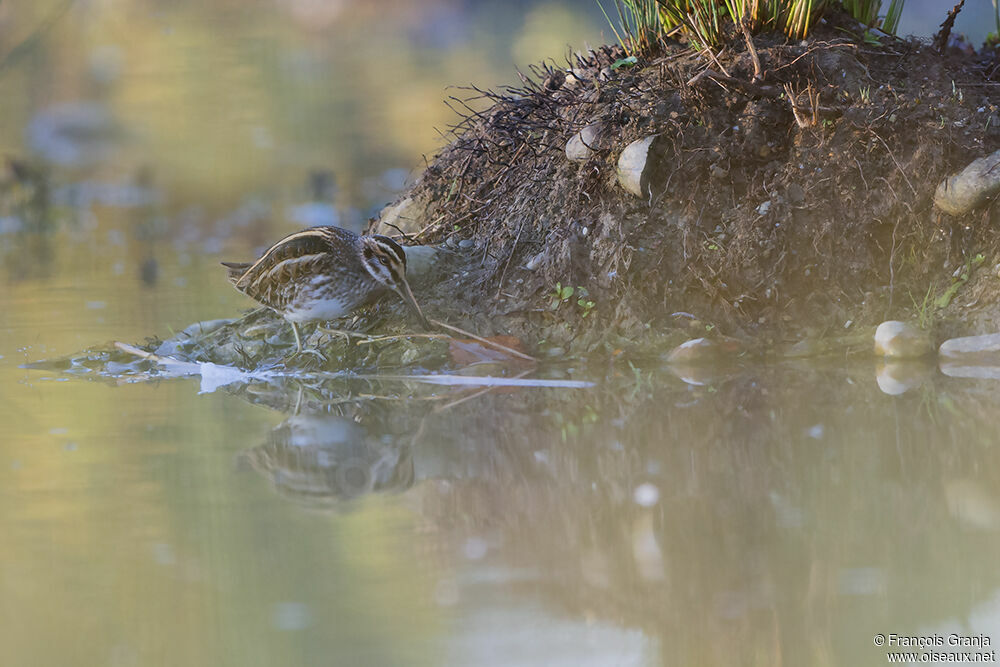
x,y
789,203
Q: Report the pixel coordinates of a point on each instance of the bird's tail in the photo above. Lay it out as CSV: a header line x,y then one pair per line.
x,y
236,270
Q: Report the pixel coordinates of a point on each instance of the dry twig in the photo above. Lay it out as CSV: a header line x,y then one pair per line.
x,y
801,118
485,341
757,73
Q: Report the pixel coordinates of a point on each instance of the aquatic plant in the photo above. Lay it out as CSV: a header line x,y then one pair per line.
x,y
890,22
994,37
640,21
705,23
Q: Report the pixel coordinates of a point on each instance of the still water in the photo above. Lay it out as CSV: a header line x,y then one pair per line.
x,y
769,514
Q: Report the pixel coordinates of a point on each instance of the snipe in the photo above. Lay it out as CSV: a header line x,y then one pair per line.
x,y
322,273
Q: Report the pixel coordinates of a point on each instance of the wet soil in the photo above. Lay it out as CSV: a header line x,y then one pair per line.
x,y
792,204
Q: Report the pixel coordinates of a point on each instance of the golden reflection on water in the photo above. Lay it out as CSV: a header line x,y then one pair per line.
x,y
131,538
224,98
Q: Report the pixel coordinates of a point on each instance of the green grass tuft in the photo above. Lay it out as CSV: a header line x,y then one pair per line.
x,y
708,24
640,23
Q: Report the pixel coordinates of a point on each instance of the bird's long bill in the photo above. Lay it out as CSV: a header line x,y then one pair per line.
x,y
411,301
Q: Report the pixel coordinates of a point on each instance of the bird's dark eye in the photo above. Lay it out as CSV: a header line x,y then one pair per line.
x,y
383,261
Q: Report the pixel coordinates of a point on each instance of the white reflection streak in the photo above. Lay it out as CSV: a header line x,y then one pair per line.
x,y
214,376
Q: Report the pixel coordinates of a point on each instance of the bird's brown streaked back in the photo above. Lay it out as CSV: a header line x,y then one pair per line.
x,y
308,242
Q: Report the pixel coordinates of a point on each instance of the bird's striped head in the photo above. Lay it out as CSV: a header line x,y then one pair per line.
x,y
385,260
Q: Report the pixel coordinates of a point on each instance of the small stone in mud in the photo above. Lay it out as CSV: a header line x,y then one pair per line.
x,y
535,262
420,260
465,244
967,346
971,187
632,167
901,340
408,214
581,145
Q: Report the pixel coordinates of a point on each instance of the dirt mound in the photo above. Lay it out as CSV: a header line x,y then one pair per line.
x,y
781,203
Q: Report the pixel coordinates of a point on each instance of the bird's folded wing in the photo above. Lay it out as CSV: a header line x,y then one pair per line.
x,y
290,259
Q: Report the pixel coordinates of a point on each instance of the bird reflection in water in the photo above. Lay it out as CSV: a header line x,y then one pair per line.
x,y
323,459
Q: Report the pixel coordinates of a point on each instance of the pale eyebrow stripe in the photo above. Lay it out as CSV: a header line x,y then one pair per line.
x,y
395,251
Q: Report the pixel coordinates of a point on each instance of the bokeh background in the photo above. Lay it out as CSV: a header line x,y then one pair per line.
x,y
221,101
